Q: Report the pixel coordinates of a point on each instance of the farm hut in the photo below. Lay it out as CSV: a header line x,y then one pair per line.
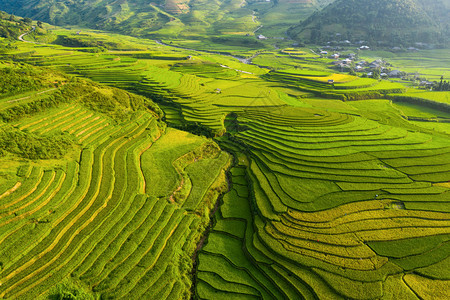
x,y
347,61
395,73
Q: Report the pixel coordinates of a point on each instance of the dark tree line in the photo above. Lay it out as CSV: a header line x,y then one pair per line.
x,y
442,85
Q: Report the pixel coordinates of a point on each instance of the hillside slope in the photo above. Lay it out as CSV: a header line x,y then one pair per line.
x,y
167,17
329,199
391,22
95,195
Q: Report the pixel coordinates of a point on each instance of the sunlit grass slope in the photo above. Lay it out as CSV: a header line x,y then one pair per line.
x,y
98,216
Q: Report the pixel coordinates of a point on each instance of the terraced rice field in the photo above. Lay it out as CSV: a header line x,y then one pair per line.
x,y
97,219
328,199
328,206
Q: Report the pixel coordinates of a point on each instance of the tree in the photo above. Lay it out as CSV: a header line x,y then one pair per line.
x,y
39,24
27,20
315,36
440,84
376,74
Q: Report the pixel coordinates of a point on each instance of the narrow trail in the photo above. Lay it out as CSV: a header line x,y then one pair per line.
x,y
33,28
28,97
254,16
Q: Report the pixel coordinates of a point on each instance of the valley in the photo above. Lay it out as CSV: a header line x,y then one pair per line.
x,y
156,166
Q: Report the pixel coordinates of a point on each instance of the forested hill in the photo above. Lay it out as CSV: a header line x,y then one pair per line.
x,y
389,22
169,18
11,27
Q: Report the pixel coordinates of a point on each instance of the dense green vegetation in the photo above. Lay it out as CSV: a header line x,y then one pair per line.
x,y
372,21
31,146
114,153
209,22
11,27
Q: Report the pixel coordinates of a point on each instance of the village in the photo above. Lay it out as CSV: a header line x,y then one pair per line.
x,y
378,68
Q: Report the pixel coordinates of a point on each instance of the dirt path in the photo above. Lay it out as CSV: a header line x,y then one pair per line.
x,y
33,28
27,97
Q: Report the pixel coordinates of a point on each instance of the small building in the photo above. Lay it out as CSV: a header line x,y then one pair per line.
x,y
426,84
330,81
364,47
262,37
395,73
335,56
323,52
347,61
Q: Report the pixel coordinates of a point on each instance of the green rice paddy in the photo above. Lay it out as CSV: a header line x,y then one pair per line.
x,y
327,198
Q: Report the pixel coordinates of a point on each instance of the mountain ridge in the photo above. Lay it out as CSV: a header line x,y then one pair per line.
x,y
383,21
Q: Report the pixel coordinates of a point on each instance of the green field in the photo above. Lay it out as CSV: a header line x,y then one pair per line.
x,y
112,164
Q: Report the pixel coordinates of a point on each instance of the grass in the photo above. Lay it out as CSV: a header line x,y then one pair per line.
x,y
442,97
425,287
164,152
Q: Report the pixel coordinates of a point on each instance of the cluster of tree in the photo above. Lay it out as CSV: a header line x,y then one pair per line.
x,y
71,41
17,79
6,46
11,27
22,110
31,146
196,128
69,291
237,41
113,102
442,85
